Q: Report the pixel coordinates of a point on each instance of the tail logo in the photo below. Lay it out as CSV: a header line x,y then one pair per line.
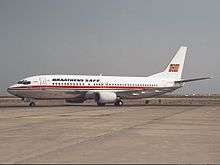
x,y
174,67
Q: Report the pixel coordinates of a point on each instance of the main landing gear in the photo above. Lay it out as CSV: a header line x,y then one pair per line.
x,y
100,104
32,104
118,102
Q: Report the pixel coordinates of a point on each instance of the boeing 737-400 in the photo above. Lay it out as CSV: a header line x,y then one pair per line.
x,y
103,89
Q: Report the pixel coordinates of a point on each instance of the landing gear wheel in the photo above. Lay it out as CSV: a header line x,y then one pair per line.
x,y
32,104
119,103
101,104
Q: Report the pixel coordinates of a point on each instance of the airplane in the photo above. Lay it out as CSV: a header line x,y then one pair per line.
x,y
103,89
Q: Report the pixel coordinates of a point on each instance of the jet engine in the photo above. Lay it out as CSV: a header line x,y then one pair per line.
x,y
105,97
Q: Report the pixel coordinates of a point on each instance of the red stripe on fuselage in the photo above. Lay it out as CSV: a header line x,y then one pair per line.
x,y
81,87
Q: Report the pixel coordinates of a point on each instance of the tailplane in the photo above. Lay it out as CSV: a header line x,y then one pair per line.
x,y
194,79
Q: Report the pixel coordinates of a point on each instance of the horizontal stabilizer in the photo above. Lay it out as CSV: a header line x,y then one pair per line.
x,y
195,79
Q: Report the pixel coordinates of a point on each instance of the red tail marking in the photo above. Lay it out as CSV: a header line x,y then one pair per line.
x,y
174,67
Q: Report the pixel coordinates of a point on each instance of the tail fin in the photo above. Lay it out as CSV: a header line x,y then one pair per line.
x,y
175,68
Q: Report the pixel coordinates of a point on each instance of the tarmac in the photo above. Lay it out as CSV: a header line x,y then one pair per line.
x,y
134,133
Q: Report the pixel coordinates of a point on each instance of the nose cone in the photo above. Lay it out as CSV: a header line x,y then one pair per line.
x,y
11,89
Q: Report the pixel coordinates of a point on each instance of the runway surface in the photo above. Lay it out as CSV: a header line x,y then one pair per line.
x,y
129,134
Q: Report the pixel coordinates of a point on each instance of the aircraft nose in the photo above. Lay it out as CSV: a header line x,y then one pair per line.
x,y
10,89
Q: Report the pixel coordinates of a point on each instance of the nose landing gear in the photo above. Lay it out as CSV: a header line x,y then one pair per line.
x,y
30,101
32,104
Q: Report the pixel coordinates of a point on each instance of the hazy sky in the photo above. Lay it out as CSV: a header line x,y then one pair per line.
x,y
113,37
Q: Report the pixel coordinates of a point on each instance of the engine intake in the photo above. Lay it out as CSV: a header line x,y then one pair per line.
x,y
105,97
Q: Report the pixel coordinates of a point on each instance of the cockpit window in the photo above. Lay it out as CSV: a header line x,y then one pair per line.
x,y
20,82
25,82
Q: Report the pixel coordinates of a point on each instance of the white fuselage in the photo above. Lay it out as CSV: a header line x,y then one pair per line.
x,y
72,86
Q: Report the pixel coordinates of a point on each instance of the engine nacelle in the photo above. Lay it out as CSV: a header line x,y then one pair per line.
x,y
105,97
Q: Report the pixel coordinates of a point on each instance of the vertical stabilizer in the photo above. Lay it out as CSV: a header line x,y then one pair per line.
x,y
175,68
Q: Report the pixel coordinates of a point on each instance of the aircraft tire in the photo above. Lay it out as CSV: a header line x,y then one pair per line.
x,y
100,104
119,103
32,104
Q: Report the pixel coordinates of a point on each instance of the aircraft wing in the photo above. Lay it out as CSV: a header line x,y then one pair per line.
x,y
189,80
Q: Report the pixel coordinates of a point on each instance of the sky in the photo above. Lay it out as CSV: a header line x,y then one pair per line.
x,y
109,37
